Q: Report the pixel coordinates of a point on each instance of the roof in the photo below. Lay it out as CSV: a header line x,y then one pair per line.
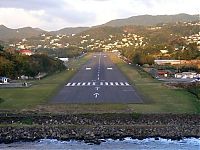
x,y
4,78
25,51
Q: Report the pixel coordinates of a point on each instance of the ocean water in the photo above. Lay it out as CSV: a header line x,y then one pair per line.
x,y
109,144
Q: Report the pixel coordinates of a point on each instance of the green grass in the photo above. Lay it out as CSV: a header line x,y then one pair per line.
x,y
83,108
157,97
40,92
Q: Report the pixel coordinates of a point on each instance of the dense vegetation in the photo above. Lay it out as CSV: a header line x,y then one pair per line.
x,y
15,65
61,52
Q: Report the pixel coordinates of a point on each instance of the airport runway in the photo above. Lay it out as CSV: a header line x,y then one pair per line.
x,y
98,81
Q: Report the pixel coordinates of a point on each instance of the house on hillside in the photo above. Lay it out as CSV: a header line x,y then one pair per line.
x,y
165,62
4,80
185,75
26,52
161,73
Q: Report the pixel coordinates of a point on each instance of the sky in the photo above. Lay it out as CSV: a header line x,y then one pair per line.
x,y
56,14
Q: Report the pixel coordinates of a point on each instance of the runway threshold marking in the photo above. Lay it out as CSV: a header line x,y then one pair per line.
x,y
126,83
73,84
68,84
121,83
102,83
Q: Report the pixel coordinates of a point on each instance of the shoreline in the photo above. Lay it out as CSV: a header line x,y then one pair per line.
x,y
100,141
91,128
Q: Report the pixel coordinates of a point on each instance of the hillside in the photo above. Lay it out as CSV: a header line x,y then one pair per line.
x,y
69,31
144,20
27,32
148,20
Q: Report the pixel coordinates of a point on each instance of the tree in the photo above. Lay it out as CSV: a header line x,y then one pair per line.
x,y
1,48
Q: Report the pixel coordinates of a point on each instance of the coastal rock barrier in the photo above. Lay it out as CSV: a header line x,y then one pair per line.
x,y
93,127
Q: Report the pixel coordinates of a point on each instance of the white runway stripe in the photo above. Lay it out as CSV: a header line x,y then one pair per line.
x,y
116,83
68,84
73,84
126,83
98,83
121,83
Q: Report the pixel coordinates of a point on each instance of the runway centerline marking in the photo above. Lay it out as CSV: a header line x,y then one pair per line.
x,y
99,66
97,88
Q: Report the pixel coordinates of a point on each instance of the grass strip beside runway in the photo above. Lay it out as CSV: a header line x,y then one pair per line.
x,y
41,91
159,99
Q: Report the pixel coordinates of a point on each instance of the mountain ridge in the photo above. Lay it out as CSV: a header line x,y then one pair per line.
x,y
149,20
143,20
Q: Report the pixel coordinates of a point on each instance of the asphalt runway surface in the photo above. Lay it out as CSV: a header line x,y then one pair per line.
x,y
98,81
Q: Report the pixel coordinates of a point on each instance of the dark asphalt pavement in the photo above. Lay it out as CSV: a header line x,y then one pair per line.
x,y
98,81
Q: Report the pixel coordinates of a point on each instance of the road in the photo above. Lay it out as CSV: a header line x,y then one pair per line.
x,y
98,81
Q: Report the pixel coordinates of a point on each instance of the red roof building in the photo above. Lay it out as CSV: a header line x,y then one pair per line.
x,y
26,52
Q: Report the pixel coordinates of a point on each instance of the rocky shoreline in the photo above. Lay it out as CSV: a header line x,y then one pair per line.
x,y
91,128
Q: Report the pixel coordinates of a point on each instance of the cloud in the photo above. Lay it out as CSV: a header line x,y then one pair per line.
x,y
31,4
54,14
